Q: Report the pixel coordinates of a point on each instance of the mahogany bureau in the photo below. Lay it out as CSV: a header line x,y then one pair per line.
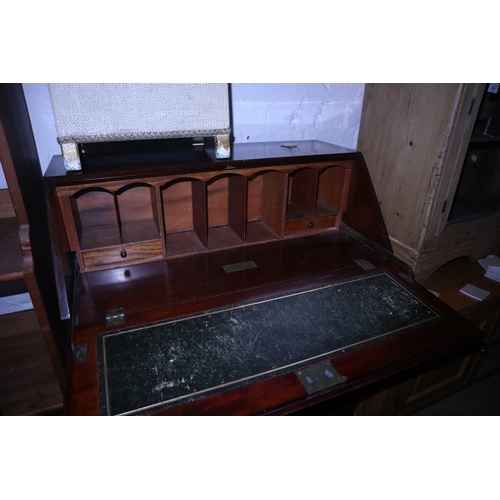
x,y
260,284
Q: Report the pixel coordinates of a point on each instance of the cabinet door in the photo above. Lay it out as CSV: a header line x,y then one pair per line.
x,y
418,392
435,384
384,403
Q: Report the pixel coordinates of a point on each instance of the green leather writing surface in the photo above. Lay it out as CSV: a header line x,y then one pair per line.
x,y
147,369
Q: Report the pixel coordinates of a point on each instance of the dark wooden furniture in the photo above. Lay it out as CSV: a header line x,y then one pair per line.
x,y
28,382
485,314
429,386
284,239
26,266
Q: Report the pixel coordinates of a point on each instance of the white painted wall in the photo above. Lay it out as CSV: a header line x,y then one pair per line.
x,y
324,111
329,112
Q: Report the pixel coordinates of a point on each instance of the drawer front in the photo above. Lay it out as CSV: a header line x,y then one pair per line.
x,y
312,224
133,252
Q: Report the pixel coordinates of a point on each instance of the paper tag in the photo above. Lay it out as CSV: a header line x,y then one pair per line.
x,y
489,261
474,292
493,273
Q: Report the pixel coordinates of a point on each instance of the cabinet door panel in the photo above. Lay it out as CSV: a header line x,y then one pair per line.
x,y
488,364
436,383
488,320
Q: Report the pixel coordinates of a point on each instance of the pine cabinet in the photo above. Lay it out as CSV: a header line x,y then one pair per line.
x,y
432,152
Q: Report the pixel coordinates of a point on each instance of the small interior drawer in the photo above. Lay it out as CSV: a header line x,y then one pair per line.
x,y
120,254
311,224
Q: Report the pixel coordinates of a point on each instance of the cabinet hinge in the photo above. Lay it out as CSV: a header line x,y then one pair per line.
x,y
80,352
115,317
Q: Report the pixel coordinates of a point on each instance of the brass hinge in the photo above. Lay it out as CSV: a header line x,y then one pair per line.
x,y
115,317
319,377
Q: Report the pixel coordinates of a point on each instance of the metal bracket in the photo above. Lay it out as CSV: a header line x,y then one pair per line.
x,y
320,377
71,156
80,352
222,146
364,264
115,317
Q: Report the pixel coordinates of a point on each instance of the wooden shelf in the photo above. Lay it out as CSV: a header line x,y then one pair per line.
x,y
34,342
11,262
183,243
222,237
141,230
99,236
448,281
28,384
258,231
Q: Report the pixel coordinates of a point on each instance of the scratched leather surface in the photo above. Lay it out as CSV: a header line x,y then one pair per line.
x,y
148,369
